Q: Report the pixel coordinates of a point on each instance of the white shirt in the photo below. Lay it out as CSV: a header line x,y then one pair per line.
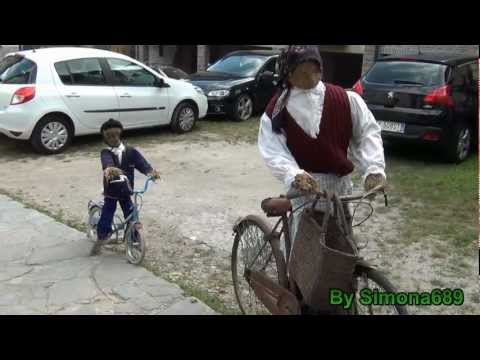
x,y
118,151
305,107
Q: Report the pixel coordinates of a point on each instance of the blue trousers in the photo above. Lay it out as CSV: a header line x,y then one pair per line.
x,y
104,227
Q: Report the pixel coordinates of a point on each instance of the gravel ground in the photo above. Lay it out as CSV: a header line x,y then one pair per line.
x,y
188,216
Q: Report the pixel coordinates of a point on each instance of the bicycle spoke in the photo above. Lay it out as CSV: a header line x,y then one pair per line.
x,y
372,309
255,253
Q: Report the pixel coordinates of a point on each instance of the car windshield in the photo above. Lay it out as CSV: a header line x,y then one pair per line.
x,y
239,65
407,72
17,70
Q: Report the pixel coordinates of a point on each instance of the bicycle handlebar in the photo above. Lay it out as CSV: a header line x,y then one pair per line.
x,y
145,188
296,193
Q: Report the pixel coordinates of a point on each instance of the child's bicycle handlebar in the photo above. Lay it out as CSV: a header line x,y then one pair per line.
x,y
145,188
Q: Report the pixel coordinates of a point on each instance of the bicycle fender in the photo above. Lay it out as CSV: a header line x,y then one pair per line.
x,y
254,218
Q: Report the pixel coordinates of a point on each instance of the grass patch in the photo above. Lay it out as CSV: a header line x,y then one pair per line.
x,y
231,131
209,129
437,199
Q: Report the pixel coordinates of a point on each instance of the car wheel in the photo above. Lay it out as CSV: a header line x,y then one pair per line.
x,y
459,147
184,118
243,108
52,135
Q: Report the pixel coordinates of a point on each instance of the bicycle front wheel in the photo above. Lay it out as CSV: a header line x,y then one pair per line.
x,y
134,244
252,251
372,279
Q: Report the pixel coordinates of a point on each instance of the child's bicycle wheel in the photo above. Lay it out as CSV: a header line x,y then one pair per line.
x,y
134,244
94,214
93,218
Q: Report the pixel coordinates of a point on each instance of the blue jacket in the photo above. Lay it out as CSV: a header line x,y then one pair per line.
x,y
131,159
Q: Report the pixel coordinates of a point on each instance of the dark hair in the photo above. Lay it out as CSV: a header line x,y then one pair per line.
x,y
111,124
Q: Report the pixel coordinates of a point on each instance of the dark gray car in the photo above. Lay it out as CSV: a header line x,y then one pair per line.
x,y
426,98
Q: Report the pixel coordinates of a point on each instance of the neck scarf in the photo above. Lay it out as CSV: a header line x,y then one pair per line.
x,y
289,59
118,151
306,107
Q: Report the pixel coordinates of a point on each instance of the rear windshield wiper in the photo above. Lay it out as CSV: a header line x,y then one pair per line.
x,y
407,82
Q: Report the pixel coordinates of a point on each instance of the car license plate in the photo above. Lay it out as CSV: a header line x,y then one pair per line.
x,y
395,127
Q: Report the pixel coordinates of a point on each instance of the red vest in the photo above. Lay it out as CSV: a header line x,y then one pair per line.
x,y
327,154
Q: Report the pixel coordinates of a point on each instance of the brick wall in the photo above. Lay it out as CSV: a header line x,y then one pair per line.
x,y
369,56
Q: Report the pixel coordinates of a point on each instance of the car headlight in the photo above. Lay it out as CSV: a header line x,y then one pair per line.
x,y
199,90
219,93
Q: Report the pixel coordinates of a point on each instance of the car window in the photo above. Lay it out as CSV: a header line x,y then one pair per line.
x,y
64,73
239,65
407,72
17,70
87,72
271,66
127,73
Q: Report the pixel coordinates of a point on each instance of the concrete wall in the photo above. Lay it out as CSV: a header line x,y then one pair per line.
x,y
343,49
5,49
150,54
368,57
203,57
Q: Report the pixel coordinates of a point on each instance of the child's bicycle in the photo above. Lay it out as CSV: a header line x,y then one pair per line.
x,y
259,267
131,227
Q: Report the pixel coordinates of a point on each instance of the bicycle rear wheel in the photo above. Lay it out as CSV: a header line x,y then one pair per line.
x,y
93,218
252,251
134,244
375,280
94,215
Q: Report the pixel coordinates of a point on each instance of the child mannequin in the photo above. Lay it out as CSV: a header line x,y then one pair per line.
x,y
118,163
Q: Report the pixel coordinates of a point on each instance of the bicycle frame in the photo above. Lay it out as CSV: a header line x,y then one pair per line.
x,y
285,219
283,297
134,217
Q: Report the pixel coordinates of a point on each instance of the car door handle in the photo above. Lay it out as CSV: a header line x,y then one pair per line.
x,y
126,96
73,95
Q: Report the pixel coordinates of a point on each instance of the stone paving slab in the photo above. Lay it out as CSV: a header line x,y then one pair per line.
x,y
45,268
186,307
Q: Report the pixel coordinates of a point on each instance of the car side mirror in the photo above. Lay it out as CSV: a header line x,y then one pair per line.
x,y
160,83
267,76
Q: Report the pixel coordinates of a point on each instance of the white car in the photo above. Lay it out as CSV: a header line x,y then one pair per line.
x,y
48,96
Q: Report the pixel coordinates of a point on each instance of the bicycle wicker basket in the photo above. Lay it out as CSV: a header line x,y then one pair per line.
x,y
322,259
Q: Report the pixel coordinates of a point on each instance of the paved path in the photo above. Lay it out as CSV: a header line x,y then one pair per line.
x,y
45,269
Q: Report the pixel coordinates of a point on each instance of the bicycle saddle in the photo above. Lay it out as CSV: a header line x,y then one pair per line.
x,y
277,206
